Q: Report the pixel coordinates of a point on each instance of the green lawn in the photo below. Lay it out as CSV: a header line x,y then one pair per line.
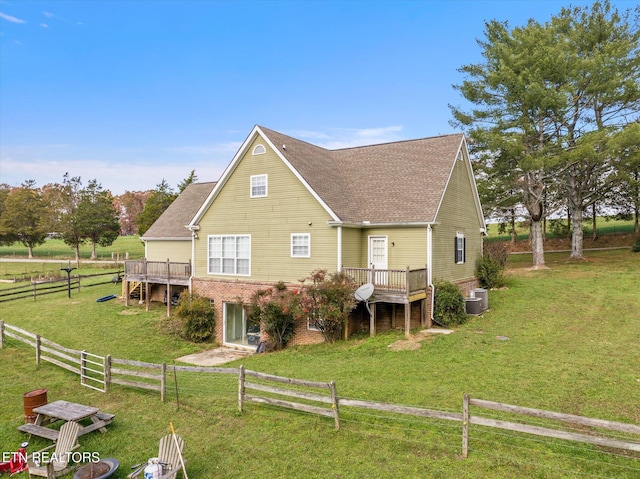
x,y
564,339
57,249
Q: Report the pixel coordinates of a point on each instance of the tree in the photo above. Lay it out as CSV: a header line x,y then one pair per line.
x,y
64,199
625,149
158,202
96,217
6,237
602,90
192,178
129,205
511,122
23,215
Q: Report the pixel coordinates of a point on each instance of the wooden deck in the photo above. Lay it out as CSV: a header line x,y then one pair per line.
x,y
160,272
392,285
396,286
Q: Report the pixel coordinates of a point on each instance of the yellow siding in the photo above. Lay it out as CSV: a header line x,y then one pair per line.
x,y
174,251
352,248
457,214
406,246
288,208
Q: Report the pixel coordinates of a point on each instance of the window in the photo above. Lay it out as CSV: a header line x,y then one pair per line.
x,y
230,254
259,150
313,324
459,246
300,245
258,186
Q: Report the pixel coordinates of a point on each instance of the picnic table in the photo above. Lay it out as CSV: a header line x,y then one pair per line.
x,y
65,411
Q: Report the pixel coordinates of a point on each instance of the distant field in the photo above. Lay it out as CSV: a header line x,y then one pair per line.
x,y
57,249
605,225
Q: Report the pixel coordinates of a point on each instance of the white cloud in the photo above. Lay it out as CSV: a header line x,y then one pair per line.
x,y
44,25
48,14
227,148
338,138
11,19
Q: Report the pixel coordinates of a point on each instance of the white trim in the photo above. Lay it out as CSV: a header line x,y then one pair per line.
x,y
308,236
252,186
221,273
462,148
460,236
233,165
261,152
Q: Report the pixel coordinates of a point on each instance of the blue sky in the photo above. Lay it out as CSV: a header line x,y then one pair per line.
x,y
131,92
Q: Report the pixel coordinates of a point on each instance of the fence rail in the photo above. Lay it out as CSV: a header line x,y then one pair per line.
x,y
313,397
37,288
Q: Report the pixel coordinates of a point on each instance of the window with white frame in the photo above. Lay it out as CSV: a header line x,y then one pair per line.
x,y
459,245
259,150
314,324
258,186
300,245
230,254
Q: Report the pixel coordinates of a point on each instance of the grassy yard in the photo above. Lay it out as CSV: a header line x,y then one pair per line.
x,y
564,339
57,249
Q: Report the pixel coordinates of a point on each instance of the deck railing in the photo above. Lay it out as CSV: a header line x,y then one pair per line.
x,y
157,269
391,280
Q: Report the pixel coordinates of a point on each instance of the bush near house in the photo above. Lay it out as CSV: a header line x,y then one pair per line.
x,y
449,305
327,301
491,265
196,319
277,309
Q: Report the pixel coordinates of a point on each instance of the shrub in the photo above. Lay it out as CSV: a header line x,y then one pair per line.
x,y
196,317
277,309
449,305
491,265
327,302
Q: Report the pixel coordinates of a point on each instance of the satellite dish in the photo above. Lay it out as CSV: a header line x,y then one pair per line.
x,y
364,292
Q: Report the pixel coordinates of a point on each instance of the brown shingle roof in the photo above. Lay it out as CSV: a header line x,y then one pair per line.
x,y
171,224
400,182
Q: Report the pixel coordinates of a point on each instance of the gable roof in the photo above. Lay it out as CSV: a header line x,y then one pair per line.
x,y
391,183
172,223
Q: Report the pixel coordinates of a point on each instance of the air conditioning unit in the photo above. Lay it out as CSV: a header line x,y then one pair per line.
x,y
482,294
474,306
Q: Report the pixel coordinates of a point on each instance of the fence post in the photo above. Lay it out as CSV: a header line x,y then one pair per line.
x,y
240,388
163,382
107,373
334,404
83,366
1,334
38,349
35,289
465,425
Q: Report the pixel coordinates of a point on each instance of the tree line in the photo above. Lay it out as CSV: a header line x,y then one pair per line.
x,y
79,214
554,122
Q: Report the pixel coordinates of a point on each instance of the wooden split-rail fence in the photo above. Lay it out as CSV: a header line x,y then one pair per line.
x,y
314,397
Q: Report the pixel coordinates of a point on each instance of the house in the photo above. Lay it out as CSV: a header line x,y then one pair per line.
x,y
398,215
168,245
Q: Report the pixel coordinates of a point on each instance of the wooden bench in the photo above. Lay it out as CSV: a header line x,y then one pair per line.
x,y
41,431
104,419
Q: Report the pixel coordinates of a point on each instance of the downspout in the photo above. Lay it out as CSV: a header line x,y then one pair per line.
x,y
339,249
194,237
430,270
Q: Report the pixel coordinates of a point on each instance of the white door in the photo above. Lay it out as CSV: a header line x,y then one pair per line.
x,y
378,258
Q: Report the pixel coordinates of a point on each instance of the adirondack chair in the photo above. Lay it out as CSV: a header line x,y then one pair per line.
x,y
168,455
59,464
